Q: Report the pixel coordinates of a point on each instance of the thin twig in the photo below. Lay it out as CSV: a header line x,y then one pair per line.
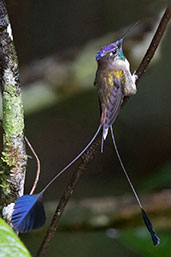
x,y
38,166
93,149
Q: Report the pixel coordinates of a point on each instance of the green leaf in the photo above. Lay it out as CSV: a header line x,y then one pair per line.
x,y
10,244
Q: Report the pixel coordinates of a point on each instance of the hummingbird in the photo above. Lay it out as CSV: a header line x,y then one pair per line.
x,y
113,81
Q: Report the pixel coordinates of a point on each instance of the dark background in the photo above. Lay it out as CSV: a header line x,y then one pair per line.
x,y
143,131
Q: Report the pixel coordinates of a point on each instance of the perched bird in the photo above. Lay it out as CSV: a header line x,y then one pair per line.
x,y
113,81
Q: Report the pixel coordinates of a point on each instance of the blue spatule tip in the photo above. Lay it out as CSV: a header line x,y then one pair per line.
x,y
28,213
155,238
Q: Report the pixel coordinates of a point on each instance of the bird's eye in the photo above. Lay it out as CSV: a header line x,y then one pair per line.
x,y
114,52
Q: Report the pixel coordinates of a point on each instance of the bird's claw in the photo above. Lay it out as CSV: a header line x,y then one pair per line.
x,y
135,75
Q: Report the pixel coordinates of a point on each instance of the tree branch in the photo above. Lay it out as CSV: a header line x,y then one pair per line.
x,y
13,159
94,148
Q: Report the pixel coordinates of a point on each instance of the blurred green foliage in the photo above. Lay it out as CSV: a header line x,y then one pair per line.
x,y
138,241
159,179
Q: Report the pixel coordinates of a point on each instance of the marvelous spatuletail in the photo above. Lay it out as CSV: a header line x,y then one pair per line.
x,y
114,81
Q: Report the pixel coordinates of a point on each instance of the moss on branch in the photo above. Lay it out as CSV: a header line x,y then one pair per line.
x,y
13,157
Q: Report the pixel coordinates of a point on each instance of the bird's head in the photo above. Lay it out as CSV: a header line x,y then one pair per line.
x,y
111,54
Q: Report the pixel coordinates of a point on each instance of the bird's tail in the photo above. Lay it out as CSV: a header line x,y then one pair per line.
x,y
104,135
155,238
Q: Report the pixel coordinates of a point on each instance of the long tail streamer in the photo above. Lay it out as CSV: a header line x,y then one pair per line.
x,y
29,211
155,238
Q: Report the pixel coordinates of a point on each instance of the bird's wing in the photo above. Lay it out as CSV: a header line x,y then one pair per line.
x,y
115,99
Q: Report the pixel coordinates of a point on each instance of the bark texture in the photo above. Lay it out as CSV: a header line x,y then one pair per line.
x,y
13,158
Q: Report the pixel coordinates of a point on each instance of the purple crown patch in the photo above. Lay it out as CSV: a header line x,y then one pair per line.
x,y
106,49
